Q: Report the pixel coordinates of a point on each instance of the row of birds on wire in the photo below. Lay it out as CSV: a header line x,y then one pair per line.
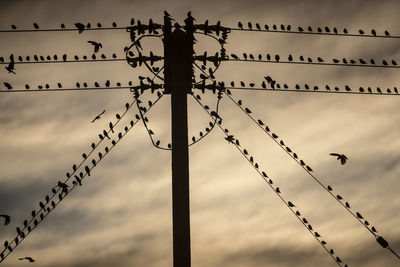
x,y
11,64
269,84
339,156
78,26
78,85
302,59
232,140
63,188
309,29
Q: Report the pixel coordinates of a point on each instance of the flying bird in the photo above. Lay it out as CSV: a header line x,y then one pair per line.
x,y
7,219
340,157
96,45
98,116
30,259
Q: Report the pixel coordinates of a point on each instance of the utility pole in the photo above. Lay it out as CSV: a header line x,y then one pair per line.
x,y
178,72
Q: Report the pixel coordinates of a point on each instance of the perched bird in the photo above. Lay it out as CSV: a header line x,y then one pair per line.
x,y
98,116
215,114
6,219
105,134
36,26
6,84
80,27
10,68
30,259
240,25
230,139
96,45
340,157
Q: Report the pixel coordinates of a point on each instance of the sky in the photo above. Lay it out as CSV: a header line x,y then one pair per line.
x,y
121,215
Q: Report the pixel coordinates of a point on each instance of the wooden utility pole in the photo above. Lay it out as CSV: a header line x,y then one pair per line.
x,y
178,71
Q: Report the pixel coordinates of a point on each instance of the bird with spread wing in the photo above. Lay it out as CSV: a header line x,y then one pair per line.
x,y
340,157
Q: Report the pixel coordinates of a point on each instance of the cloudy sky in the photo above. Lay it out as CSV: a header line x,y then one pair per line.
x,y
121,215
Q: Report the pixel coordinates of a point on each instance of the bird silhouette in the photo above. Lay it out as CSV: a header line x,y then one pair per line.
x,y
277,58
7,219
240,25
6,84
64,189
230,139
96,45
340,157
106,134
373,32
98,116
215,114
250,25
30,259
10,68
387,33
80,27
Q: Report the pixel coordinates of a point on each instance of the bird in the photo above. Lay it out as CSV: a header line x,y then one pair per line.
x,y
30,259
6,84
36,26
340,157
96,45
98,116
230,139
7,219
215,114
10,68
240,25
106,134
80,27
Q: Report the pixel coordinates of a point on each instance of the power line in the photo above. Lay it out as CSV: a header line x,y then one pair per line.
x,y
63,29
315,89
84,87
276,189
308,169
323,31
21,233
316,63
87,60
